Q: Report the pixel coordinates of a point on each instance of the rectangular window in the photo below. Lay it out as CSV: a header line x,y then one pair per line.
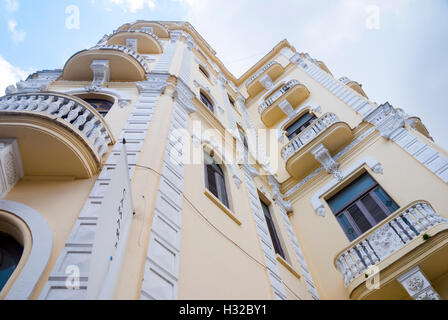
x,y
301,124
272,231
361,206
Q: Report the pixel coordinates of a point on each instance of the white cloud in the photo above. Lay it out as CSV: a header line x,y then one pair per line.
x,y
17,35
9,75
11,5
134,5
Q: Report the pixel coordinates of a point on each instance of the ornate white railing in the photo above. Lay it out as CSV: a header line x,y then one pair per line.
x,y
70,110
305,137
277,95
386,238
345,80
257,74
138,31
126,50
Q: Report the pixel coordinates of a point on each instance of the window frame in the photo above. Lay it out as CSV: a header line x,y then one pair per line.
x,y
221,184
357,201
208,103
204,72
303,127
272,229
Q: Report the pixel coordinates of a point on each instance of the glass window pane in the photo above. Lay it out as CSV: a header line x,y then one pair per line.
x,y
10,254
351,193
349,230
272,231
388,202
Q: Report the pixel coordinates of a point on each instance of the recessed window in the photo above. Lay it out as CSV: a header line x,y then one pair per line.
x,y
205,73
272,230
101,105
243,138
207,102
361,206
215,179
10,254
300,125
232,102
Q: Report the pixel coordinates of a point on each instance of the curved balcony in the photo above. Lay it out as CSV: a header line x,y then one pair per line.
x,y
157,28
327,130
58,135
389,241
148,43
125,64
263,78
281,103
353,85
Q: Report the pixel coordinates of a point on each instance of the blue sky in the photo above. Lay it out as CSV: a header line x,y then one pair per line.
x,y
395,48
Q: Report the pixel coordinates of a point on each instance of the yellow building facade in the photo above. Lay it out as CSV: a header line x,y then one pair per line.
x,y
286,183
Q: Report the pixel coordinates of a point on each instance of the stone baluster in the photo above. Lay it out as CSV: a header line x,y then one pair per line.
x,y
372,256
35,104
24,102
430,214
364,257
420,218
81,119
410,234
43,105
343,270
413,221
15,104
89,126
74,114
95,132
54,106
351,263
395,224
65,109
357,264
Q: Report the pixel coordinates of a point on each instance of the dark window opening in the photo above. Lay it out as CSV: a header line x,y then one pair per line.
x,y
272,231
207,102
244,139
361,206
100,105
215,180
300,125
10,255
205,73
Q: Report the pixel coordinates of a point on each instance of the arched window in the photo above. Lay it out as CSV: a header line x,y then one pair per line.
x,y
207,102
10,255
101,105
205,73
300,124
215,180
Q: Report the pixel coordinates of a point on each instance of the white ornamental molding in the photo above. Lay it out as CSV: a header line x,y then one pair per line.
x,y
101,72
417,285
184,96
324,157
38,81
387,119
155,83
11,167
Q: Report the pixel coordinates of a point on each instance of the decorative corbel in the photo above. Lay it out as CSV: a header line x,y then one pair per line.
x,y
101,72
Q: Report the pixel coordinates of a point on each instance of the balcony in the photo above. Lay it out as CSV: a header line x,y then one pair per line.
x,y
264,78
125,64
327,130
388,242
354,85
281,104
147,42
58,135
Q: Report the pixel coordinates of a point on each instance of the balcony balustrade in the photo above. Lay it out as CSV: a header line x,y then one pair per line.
x,y
264,78
73,112
328,131
283,102
386,239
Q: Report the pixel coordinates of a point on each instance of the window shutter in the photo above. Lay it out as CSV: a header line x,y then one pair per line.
x,y
359,218
373,208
